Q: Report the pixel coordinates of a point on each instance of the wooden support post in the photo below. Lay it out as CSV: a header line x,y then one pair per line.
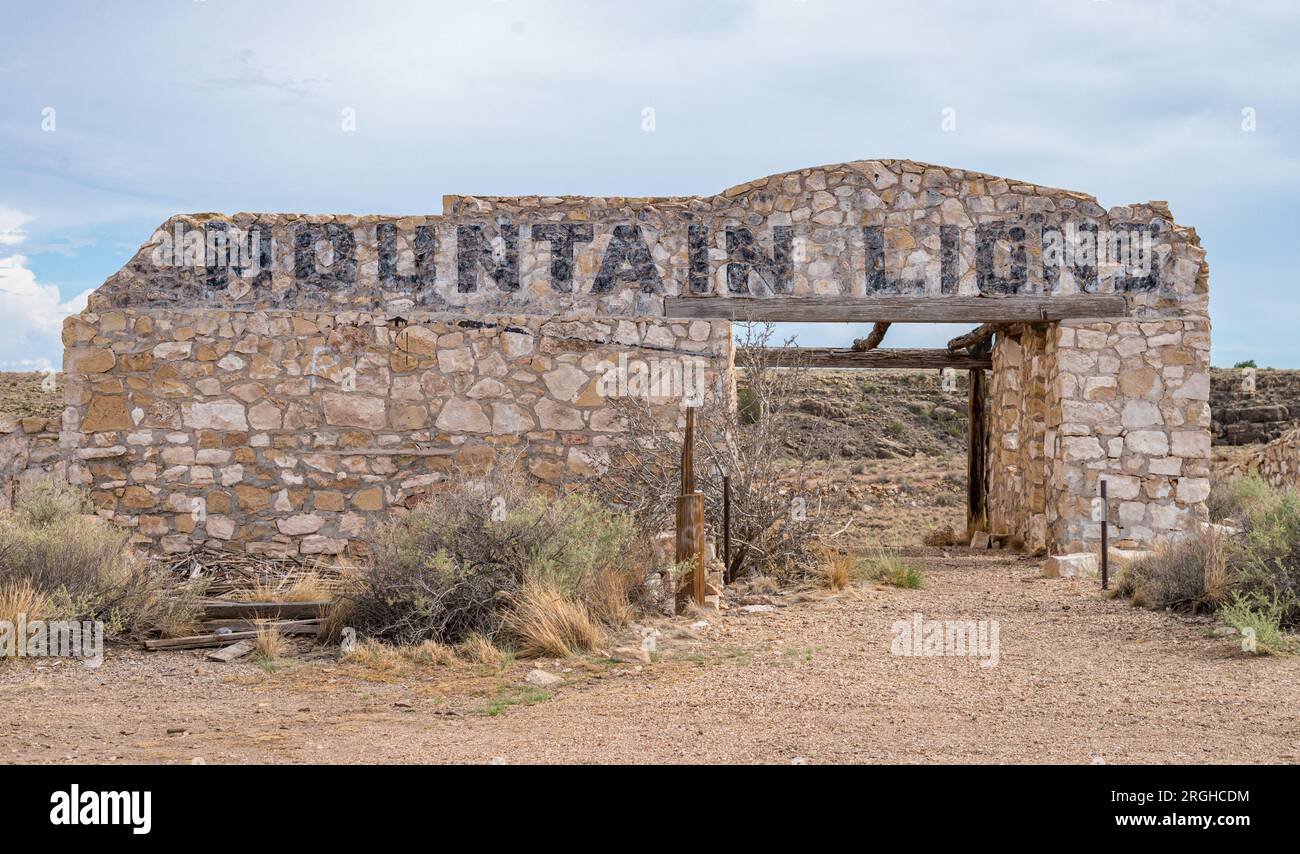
x,y
976,456
690,513
690,539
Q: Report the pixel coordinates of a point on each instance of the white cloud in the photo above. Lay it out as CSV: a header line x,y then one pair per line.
x,y
31,314
11,226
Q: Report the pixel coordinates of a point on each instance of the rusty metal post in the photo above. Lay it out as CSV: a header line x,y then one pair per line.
x,y
726,529
1105,537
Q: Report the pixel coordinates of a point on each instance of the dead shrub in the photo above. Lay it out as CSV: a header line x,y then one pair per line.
x,y
1188,574
457,563
543,621
81,564
776,499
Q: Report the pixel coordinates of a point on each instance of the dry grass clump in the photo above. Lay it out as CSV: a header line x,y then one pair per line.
x,y
889,567
544,621
270,641
1190,573
80,565
19,600
304,587
378,656
478,648
837,568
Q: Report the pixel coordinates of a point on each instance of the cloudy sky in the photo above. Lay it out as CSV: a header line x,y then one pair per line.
x,y
115,115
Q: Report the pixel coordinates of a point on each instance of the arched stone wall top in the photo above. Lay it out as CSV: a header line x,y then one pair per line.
x,y
867,228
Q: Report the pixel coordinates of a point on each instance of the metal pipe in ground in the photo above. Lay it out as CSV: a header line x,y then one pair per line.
x,y
1105,537
726,529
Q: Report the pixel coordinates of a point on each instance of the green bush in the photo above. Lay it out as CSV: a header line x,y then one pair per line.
x,y
1232,498
1249,363
1270,553
748,406
1207,570
1259,617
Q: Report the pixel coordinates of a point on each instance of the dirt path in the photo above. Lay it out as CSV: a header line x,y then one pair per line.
x,y
1079,679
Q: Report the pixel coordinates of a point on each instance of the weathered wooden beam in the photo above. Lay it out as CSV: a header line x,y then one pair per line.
x,y
225,609
286,627
932,309
826,357
873,340
976,336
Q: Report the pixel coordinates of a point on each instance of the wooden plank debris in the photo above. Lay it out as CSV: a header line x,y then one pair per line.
x,y
227,609
236,650
285,627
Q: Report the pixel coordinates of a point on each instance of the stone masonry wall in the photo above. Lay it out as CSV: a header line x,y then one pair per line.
x,y
293,432
267,380
1130,403
1019,462
29,450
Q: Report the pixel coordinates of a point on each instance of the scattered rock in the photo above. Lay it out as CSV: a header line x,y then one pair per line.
x,y
1071,565
630,655
541,679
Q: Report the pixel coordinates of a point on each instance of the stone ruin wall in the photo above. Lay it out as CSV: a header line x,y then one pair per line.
x,y
1075,402
242,429
30,450
345,365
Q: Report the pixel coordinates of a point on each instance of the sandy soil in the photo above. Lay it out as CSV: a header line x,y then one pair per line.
x,y
1080,679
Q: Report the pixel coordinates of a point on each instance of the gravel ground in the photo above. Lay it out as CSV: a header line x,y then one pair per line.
x,y
1080,679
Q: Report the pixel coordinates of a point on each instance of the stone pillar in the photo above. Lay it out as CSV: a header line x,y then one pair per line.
x,y
1128,401
1018,465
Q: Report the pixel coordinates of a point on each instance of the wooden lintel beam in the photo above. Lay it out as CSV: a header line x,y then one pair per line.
x,y
924,309
826,357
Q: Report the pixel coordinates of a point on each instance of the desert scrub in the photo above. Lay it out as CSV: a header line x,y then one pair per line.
x,y
78,566
889,567
1232,498
1188,574
1270,552
1259,619
483,559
